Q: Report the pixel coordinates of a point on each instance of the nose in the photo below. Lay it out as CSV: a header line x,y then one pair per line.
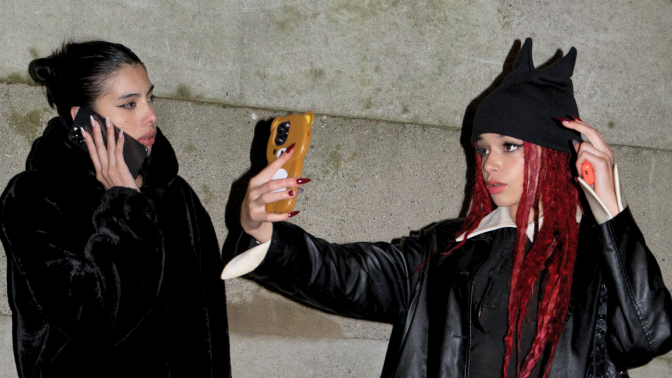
x,y
489,163
150,118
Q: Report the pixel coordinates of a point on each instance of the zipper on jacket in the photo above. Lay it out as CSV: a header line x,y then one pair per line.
x,y
467,361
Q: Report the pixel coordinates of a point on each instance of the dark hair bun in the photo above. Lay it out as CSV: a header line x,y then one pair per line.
x,y
43,69
76,73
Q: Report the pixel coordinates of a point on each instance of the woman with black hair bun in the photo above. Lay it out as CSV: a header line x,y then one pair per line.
x,y
535,282
109,275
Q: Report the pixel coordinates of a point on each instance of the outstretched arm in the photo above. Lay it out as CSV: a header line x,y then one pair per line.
x,y
374,281
364,280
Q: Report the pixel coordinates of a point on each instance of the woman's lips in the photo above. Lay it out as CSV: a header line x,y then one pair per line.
x,y
147,139
495,187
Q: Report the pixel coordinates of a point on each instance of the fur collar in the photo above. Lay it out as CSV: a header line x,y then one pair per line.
x,y
54,153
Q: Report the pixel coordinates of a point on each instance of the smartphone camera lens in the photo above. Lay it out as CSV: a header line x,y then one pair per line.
x,y
281,134
76,137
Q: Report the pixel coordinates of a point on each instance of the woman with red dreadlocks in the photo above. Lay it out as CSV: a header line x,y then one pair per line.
x,y
537,285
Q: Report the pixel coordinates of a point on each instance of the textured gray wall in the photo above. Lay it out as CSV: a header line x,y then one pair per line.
x,y
378,70
407,61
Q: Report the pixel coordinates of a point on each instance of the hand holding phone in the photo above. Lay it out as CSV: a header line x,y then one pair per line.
x,y
285,131
134,152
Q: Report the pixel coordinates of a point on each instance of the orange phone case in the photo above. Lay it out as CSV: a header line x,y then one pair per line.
x,y
294,128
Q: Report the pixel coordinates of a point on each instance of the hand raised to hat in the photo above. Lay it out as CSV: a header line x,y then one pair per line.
x,y
600,157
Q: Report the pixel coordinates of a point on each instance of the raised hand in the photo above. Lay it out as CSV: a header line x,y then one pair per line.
x,y
262,190
600,157
111,169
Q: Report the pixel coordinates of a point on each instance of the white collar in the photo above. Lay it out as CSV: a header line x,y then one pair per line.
x,y
501,218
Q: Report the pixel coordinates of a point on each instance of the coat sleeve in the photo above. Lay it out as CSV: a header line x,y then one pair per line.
x,y
639,307
93,280
373,281
205,242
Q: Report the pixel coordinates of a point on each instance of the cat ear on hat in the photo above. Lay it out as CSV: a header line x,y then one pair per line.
x,y
523,61
564,68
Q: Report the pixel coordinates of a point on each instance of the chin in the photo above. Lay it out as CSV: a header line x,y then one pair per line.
x,y
505,203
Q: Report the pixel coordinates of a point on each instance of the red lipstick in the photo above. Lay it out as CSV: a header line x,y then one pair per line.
x,y
495,187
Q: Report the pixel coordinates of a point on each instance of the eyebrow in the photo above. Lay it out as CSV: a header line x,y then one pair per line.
x,y
122,97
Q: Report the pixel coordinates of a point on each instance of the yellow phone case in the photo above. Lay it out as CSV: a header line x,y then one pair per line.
x,y
294,128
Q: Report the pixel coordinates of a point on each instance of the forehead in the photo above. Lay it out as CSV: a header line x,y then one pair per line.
x,y
128,79
493,137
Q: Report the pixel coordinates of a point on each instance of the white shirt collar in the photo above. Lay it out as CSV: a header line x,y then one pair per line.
x,y
501,218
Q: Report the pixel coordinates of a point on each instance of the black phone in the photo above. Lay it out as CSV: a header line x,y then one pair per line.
x,y
134,152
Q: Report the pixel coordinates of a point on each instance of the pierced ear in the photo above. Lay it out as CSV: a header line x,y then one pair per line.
x,y
73,111
563,68
523,62
310,116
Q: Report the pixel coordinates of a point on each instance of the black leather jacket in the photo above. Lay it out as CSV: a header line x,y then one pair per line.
x,y
431,310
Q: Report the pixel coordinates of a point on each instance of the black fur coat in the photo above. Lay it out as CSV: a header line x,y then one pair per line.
x,y
111,283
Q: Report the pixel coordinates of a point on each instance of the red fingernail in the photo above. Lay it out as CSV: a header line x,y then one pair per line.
x,y
563,120
577,118
290,148
293,213
302,180
291,193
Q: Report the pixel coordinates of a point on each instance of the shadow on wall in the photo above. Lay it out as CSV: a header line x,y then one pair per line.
x,y
262,131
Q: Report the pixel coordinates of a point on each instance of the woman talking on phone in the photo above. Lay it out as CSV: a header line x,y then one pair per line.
x,y
533,283
109,275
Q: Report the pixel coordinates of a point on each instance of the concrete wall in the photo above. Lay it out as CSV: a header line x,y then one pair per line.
x,y
381,75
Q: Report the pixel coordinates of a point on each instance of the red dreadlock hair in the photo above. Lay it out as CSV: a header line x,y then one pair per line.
x,y
548,180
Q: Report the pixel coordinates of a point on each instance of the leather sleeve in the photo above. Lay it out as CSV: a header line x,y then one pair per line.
x,y
93,279
639,304
371,281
